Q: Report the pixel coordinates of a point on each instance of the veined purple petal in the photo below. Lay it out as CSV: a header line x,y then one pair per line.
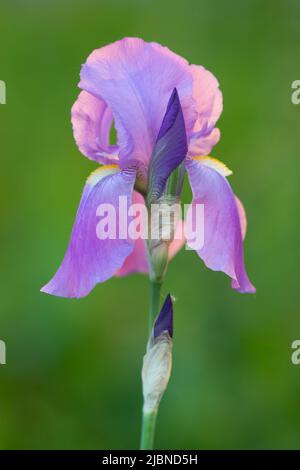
x,y
170,148
164,321
135,79
88,259
223,246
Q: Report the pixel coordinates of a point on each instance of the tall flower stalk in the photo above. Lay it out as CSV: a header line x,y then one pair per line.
x,y
155,290
165,113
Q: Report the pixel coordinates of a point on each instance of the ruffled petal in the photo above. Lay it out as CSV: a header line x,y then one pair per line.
x,y
135,79
92,120
89,259
209,103
223,247
208,98
201,144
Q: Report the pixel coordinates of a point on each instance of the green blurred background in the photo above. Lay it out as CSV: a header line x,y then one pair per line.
x,y
72,379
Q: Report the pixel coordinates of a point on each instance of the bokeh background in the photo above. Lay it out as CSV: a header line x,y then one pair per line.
x,y
72,379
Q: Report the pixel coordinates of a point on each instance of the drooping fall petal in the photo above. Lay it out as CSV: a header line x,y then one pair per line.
x,y
223,246
89,259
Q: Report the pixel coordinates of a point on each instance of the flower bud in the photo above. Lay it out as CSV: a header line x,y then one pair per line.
x,y
158,261
158,358
165,214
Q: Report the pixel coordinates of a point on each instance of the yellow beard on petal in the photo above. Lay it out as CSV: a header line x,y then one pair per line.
x,y
215,164
101,172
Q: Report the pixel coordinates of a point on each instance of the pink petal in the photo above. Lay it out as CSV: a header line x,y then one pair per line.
x,y
203,144
179,240
242,216
90,260
208,97
223,247
137,261
209,103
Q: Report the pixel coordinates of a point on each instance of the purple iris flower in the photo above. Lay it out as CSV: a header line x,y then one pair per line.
x,y
164,111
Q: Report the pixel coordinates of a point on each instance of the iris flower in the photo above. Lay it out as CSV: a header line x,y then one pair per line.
x,y
165,112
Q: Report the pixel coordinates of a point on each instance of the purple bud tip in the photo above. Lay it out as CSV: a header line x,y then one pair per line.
x,y
164,321
170,148
173,108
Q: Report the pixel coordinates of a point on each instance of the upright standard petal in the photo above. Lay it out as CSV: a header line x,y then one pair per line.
x,y
223,246
170,148
208,97
209,104
135,79
92,120
90,259
202,142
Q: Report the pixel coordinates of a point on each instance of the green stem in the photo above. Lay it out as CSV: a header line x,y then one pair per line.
x,y
155,287
149,416
148,429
